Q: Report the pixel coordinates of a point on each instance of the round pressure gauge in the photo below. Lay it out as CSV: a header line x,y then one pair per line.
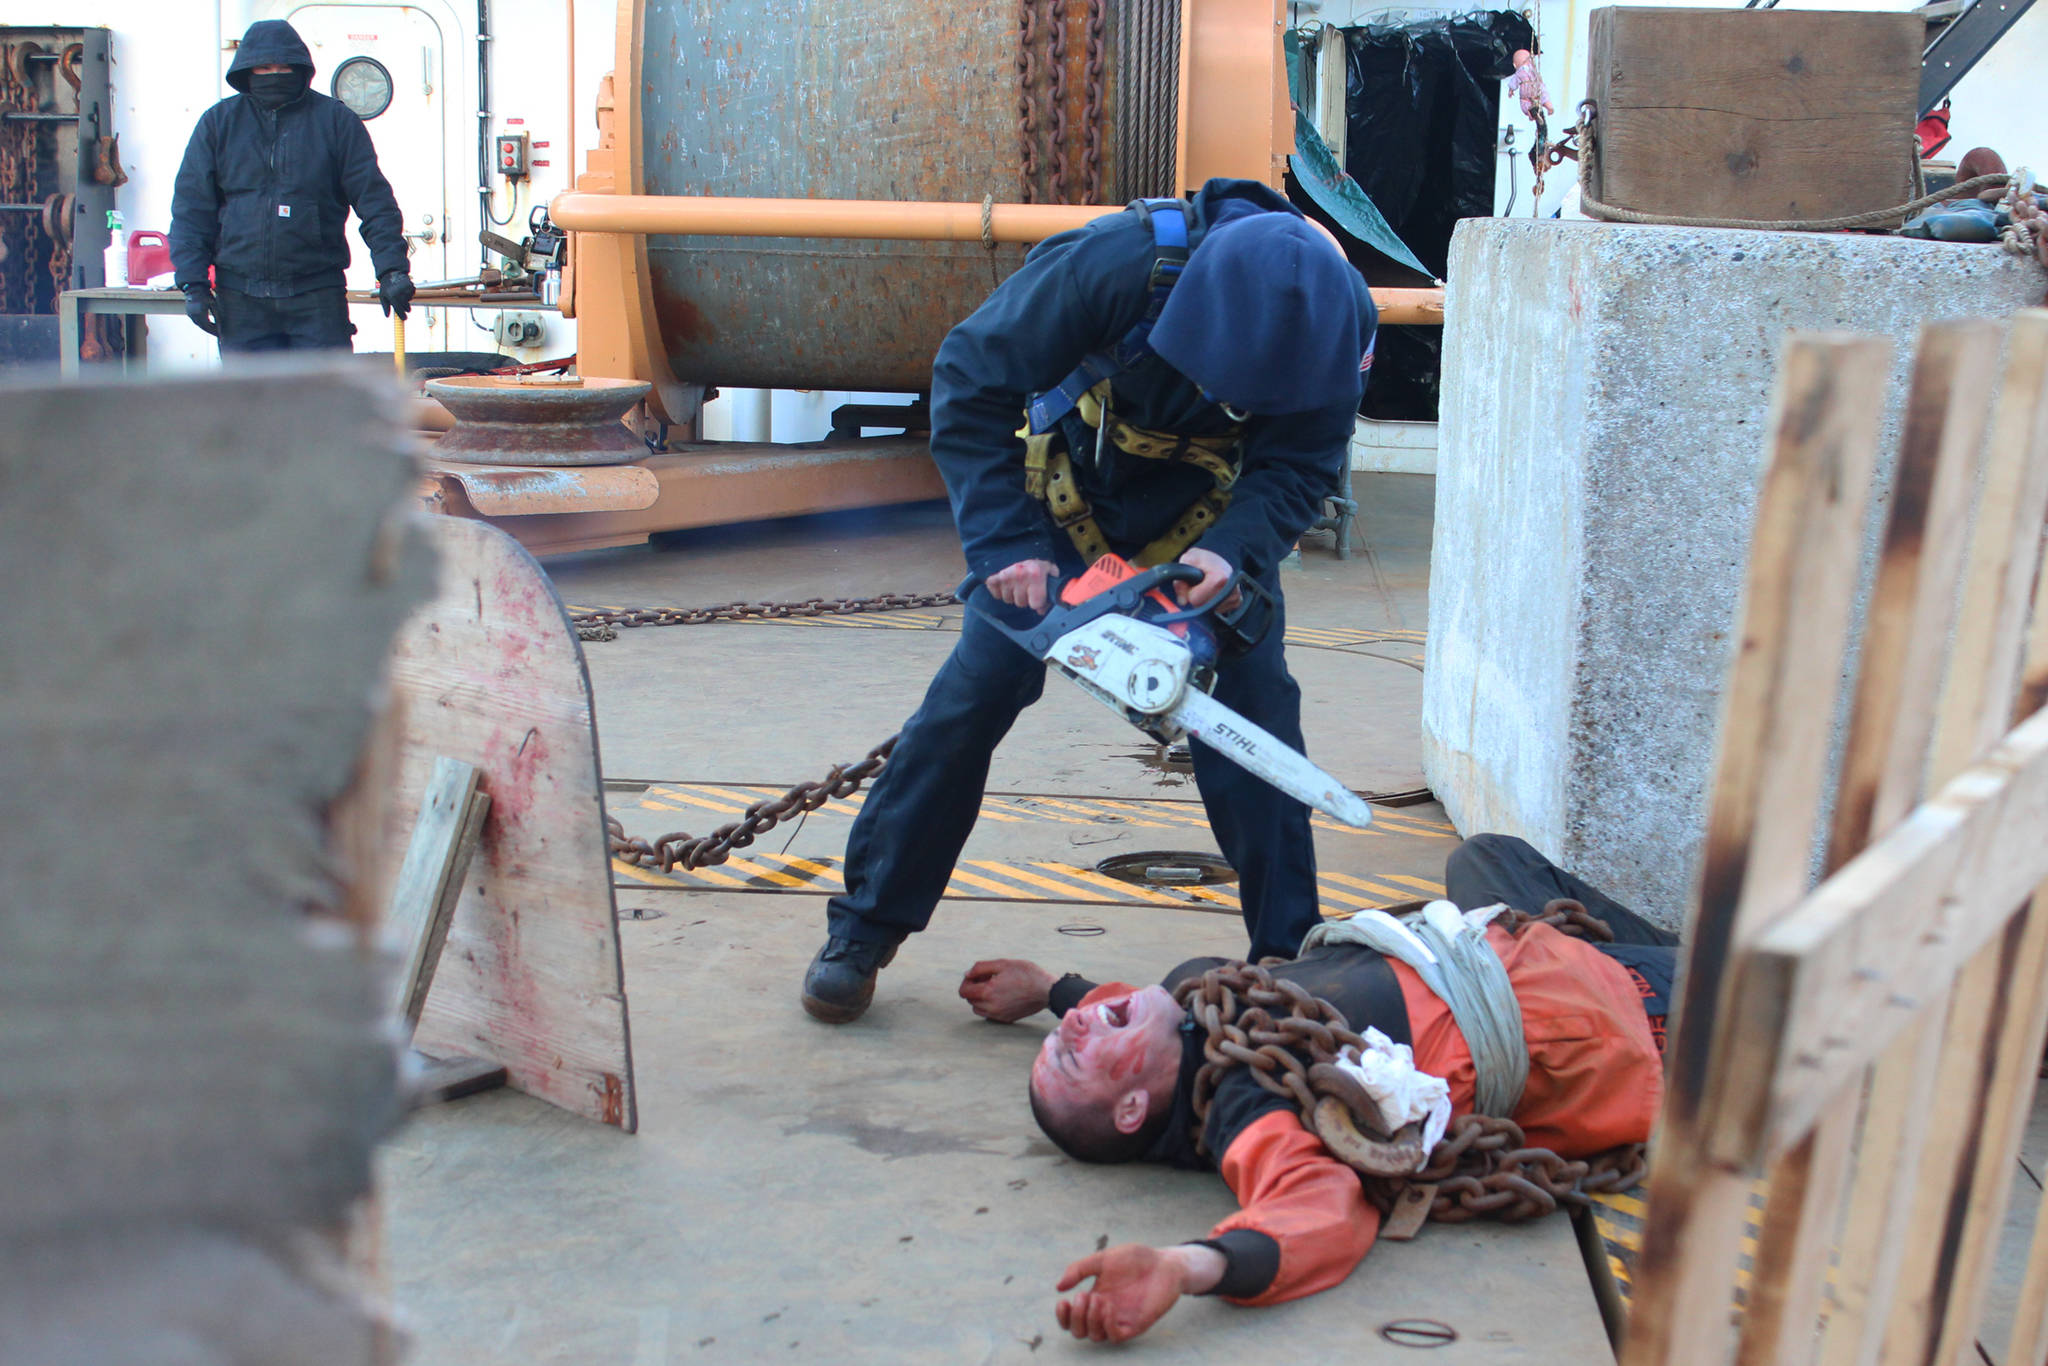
x,y
363,85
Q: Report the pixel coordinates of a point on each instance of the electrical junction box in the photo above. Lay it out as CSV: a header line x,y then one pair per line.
x,y
513,155
518,329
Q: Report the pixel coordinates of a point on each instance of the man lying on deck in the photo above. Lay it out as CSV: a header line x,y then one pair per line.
x,y
1114,1082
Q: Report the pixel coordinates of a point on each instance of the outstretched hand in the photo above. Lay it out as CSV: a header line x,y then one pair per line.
x,y
1134,1287
1006,989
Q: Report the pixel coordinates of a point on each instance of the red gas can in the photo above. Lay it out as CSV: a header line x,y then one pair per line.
x,y
149,255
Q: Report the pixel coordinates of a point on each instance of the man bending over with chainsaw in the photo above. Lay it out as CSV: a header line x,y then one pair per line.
x,y
1185,375
1560,1034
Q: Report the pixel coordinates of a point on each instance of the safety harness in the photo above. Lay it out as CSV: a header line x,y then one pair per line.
x,y
1049,466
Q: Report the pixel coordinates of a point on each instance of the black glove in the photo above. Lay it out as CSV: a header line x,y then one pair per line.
x,y
394,292
199,308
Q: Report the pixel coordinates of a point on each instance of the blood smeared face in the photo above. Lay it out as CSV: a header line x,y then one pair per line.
x,y
1113,1044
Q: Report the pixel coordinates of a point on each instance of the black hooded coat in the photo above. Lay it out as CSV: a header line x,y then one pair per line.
x,y
263,194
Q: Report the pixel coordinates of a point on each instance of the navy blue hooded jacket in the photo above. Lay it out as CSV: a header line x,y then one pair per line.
x,y
263,195
1080,292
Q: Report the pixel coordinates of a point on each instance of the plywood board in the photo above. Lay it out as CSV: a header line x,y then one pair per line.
x,y
490,673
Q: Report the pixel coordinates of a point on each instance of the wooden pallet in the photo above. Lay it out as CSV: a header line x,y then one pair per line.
x,y
1870,1045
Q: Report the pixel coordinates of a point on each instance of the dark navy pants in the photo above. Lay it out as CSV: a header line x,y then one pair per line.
x,y
1501,868
920,809
314,321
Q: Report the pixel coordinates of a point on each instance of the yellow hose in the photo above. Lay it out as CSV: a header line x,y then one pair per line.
x,y
398,344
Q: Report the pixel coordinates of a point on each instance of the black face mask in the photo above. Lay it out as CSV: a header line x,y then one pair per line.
x,y
275,89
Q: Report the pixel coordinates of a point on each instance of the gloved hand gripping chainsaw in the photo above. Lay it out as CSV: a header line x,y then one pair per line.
x,y
1117,633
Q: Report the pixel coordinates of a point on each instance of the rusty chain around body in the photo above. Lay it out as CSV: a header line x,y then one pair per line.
x,y
1042,132
1290,1041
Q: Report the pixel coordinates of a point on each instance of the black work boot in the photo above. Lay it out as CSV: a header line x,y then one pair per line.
x,y
841,979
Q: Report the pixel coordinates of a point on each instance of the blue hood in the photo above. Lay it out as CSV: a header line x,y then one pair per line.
x,y
269,42
1268,317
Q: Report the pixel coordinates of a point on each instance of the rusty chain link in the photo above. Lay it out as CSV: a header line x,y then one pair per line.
x,y
1056,98
686,851
1091,116
18,178
1235,1006
1565,916
1042,124
1483,1166
1027,108
605,623
21,183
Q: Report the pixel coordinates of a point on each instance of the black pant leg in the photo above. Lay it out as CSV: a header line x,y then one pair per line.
x,y
1262,831
1501,868
248,323
920,809
317,321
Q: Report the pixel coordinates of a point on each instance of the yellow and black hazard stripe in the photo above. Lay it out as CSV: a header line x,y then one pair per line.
x,y
1034,880
732,799
1619,1219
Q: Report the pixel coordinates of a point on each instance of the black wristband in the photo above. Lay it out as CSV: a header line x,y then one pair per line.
x,y
1251,1260
1066,993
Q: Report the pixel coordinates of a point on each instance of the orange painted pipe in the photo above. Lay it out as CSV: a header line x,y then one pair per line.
x,y
722,216
906,221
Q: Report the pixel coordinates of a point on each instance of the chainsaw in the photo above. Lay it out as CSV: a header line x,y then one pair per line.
x,y
1117,633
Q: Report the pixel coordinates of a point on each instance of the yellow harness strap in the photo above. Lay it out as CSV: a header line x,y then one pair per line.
x,y
1049,477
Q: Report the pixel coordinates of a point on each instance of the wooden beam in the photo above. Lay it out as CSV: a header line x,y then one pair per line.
x,y
2011,1046
1778,710
196,1073
1976,705
1838,979
2013,969
2030,1324
1333,60
1990,631
1884,764
444,838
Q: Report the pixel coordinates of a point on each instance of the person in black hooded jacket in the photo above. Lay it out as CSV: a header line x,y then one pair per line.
x,y
262,197
1228,390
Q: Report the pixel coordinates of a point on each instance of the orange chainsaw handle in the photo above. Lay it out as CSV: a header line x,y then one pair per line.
x,y
1107,573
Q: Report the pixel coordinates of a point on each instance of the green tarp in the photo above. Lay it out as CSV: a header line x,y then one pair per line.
x,y
1328,184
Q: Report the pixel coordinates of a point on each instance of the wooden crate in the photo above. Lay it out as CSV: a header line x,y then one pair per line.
x,y
1758,114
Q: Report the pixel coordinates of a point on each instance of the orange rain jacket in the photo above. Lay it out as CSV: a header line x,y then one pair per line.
x,y
1595,1081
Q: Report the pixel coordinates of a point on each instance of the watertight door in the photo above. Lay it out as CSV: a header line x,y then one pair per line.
x,y
387,62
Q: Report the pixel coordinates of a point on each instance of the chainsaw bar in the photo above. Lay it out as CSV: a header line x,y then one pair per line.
x,y
1258,752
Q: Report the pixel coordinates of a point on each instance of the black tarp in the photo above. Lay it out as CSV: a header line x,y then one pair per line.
x,y
1422,114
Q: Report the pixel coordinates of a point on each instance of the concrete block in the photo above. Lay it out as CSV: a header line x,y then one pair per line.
x,y
1606,389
